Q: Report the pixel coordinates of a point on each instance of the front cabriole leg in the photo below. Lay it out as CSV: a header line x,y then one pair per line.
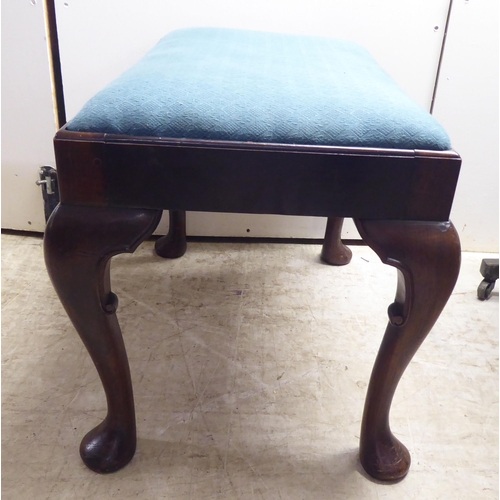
x,y
427,256
79,243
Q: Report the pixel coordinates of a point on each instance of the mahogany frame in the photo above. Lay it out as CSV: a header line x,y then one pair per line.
x,y
113,189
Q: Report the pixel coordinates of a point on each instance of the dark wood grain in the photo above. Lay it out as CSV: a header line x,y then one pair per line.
x,y
114,187
79,243
427,256
256,178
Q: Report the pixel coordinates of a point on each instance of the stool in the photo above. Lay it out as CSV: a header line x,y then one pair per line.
x,y
249,122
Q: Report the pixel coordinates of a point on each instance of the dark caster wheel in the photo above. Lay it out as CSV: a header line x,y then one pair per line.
x,y
484,289
489,271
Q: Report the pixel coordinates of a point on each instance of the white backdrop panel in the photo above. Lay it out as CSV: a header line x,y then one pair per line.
x,y
467,105
28,123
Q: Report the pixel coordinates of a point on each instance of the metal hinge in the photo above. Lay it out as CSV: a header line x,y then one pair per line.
x,y
50,189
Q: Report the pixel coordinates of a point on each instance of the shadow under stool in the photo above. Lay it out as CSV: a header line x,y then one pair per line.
x,y
224,120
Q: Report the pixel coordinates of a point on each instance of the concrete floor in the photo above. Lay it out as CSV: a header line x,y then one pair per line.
x,y
250,364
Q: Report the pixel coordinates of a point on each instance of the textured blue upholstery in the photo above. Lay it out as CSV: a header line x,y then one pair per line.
x,y
210,83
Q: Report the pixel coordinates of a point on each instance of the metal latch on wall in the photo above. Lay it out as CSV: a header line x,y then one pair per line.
x,y
50,189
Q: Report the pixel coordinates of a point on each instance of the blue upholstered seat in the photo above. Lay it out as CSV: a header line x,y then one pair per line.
x,y
224,84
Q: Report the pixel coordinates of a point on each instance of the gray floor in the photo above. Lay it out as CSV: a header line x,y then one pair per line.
x,y
250,364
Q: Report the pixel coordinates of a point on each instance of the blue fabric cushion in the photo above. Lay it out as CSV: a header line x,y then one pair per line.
x,y
212,83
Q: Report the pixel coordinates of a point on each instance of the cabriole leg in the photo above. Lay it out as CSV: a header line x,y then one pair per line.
x,y
173,245
334,252
79,243
427,256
